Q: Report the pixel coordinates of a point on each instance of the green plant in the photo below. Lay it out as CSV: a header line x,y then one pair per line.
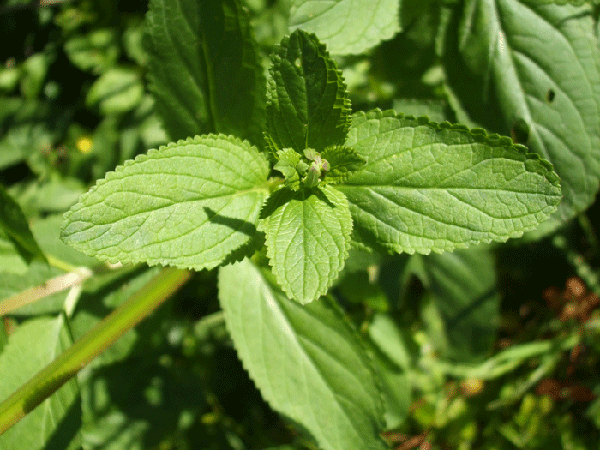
x,y
290,194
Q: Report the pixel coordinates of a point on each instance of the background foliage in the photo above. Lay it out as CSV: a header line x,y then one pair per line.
x,y
487,348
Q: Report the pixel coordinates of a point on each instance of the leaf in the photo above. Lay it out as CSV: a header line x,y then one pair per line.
x,y
306,360
56,422
463,284
392,358
288,166
347,27
14,226
308,237
307,103
439,186
189,204
96,51
117,90
205,68
343,162
546,92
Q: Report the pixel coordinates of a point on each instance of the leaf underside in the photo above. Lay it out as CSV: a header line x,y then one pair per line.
x,y
439,187
189,204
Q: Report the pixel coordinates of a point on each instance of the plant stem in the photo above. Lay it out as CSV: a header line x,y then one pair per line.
x,y
94,342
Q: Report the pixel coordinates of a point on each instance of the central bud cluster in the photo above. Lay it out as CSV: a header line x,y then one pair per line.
x,y
311,173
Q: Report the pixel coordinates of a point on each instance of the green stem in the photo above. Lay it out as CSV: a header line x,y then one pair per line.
x,y
94,342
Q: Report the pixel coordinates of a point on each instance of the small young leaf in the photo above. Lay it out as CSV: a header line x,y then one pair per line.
x,y
308,236
189,204
343,162
439,187
205,68
306,360
288,166
307,103
14,226
348,27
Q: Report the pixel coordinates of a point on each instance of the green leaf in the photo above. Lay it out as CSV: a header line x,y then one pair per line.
x,y
439,186
14,226
189,204
394,362
347,27
307,103
564,2
308,237
288,166
343,162
546,92
11,260
56,422
117,90
205,68
96,51
463,284
26,127
306,360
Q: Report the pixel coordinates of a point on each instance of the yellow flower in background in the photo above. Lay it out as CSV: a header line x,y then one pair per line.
x,y
84,144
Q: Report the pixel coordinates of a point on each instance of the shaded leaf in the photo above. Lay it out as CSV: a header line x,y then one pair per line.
x,y
463,284
343,162
14,226
307,103
205,68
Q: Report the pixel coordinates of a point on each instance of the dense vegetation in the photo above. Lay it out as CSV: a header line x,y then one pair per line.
x,y
288,225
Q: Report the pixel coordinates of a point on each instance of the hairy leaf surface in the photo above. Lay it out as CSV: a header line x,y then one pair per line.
x,y
438,187
307,103
205,68
308,237
189,204
347,27
306,360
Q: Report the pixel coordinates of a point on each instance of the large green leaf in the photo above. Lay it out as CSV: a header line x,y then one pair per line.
x,y
347,27
56,422
308,237
391,356
11,260
307,101
205,68
542,87
306,360
463,284
189,204
14,226
439,186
